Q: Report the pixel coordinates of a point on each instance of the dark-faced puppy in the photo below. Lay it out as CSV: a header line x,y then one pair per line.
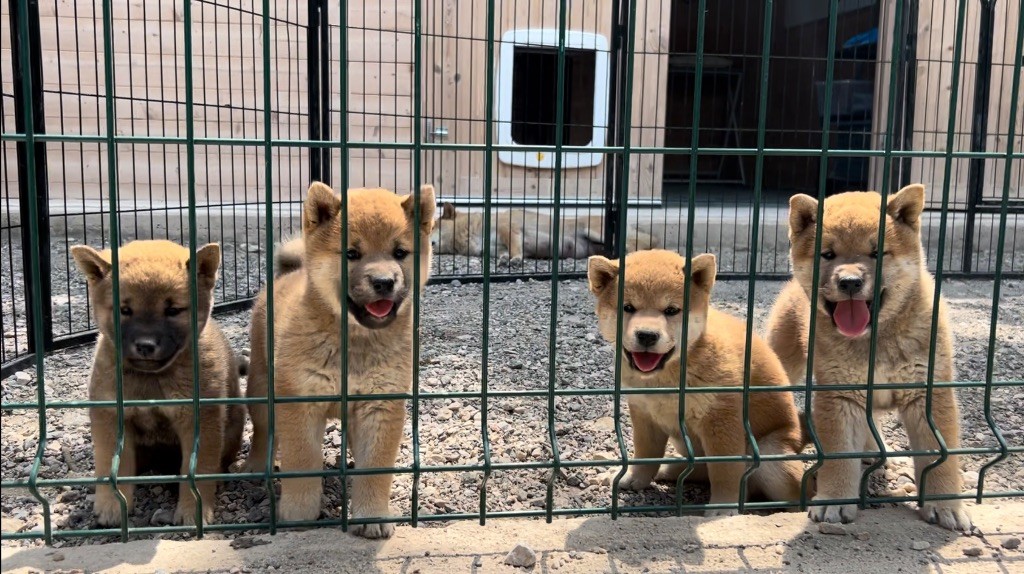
x,y
308,309
156,337
843,301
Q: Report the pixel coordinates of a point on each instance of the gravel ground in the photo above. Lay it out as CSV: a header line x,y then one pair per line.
x,y
520,315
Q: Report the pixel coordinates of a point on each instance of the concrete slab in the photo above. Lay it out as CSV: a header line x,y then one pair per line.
x,y
882,540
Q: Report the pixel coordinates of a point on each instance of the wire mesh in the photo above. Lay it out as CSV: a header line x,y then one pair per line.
x,y
155,121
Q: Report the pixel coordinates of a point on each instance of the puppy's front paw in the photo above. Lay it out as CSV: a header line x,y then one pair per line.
x,y
515,262
107,508
502,260
635,480
185,511
374,531
947,514
295,507
836,513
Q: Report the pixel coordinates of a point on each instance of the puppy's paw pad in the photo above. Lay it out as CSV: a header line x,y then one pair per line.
x,y
837,514
373,531
948,517
185,514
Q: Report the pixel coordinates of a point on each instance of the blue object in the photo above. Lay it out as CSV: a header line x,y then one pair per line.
x,y
868,38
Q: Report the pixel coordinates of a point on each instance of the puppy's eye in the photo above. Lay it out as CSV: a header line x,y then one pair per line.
x,y
173,311
874,254
671,311
828,255
627,308
353,254
400,253
126,311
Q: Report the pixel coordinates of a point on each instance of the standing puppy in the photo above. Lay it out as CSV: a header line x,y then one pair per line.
x,y
652,327
843,301
308,345
156,342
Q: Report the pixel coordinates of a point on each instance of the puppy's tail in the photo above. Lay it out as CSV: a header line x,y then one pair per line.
x,y
289,256
805,435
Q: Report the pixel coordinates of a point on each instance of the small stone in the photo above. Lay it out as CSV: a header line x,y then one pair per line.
x,y
444,414
605,424
598,550
235,570
972,551
521,556
603,456
243,542
831,528
1011,543
780,549
162,517
22,376
920,545
862,536
456,283
57,557
971,479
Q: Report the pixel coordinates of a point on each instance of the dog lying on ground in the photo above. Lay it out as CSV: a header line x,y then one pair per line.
x,y
308,346
519,233
651,343
156,342
843,303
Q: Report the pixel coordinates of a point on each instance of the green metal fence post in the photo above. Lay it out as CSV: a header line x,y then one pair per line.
x,y
762,118
268,250
1000,253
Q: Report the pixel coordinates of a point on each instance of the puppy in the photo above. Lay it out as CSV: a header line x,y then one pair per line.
x,y
156,342
308,345
843,301
651,345
519,233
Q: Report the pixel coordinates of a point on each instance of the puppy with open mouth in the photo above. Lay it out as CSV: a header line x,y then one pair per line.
x,y
844,303
652,330
308,309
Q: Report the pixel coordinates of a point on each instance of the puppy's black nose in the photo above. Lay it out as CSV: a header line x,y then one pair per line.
x,y
851,285
647,338
145,347
383,285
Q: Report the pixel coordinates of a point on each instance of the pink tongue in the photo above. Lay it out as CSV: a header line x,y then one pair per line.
x,y
852,317
647,362
380,308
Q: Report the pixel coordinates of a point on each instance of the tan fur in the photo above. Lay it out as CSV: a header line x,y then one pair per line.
x,y
849,230
519,233
154,278
655,282
307,349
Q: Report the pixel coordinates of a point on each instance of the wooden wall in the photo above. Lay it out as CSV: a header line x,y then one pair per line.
x,y
150,92
935,49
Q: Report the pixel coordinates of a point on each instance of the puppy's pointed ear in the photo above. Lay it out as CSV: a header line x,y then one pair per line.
x,y
321,206
207,264
90,262
905,206
602,272
448,211
803,211
426,207
703,269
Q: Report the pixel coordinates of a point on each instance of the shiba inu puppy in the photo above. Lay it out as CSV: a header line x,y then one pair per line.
x,y
519,233
308,345
156,336
843,301
652,346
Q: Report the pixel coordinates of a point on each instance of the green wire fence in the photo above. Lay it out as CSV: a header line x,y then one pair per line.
x,y
338,127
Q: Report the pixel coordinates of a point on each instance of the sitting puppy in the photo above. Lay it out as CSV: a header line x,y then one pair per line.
x,y
308,345
843,301
156,342
651,345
